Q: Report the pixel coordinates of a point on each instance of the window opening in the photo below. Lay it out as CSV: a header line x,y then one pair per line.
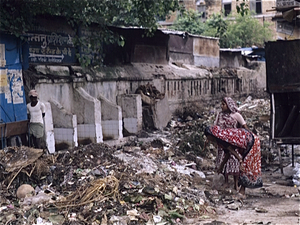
x,y
227,9
256,6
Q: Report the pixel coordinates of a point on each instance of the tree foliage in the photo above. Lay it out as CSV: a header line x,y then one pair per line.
x,y
18,16
240,31
244,31
216,26
189,21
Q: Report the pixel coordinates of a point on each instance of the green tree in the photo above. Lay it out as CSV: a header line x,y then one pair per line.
x,y
19,16
246,31
189,21
242,30
216,26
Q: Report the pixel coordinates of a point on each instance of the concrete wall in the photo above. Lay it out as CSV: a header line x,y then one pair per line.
x,y
88,112
132,112
61,92
181,57
65,125
180,84
48,127
103,116
190,92
260,75
107,90
229,58
184,92
111,115
161,113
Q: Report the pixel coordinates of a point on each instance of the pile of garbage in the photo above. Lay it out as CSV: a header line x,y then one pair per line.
x,y
165,178
149,91
98,184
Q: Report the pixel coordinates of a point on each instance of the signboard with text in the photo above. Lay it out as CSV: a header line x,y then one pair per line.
x,y
52,41
52,48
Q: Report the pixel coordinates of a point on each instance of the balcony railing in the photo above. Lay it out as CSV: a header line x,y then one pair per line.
x,y
287,3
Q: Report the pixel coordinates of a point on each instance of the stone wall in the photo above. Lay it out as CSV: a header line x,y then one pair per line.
x,y
104,101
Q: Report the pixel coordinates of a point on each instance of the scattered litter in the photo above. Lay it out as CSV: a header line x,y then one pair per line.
x,y
166,177
261,210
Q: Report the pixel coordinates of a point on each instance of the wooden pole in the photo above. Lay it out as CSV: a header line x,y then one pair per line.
x,y
293,156
280,160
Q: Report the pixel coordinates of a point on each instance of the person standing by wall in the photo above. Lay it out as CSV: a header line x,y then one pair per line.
x,y
229,117
36,113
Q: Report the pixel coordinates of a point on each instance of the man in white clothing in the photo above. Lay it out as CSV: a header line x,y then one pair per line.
x,y
36,113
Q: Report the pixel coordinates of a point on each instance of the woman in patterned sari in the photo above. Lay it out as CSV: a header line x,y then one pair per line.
x,y
245,147
229,117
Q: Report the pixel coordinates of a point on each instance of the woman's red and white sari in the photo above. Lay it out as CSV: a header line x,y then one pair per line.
x,y
248,145
225,120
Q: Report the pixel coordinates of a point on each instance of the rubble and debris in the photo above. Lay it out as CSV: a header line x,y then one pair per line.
x,y
150,91
160,177
156,112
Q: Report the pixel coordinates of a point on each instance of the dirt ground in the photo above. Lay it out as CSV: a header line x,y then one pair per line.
x,y
271,204
155,177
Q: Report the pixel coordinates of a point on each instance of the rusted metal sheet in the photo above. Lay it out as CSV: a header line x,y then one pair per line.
x,y
286,117
181,48
140,48
16,128
13,129
181,44
206,46
283,66
150,54
8,130
283,83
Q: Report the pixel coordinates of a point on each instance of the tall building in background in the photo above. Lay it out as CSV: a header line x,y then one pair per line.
x,y
265,10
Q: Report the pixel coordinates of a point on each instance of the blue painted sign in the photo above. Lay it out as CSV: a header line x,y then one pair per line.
x,y
51,48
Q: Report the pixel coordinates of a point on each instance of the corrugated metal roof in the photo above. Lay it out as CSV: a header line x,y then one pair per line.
x,y
231,49
176,32
167,31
